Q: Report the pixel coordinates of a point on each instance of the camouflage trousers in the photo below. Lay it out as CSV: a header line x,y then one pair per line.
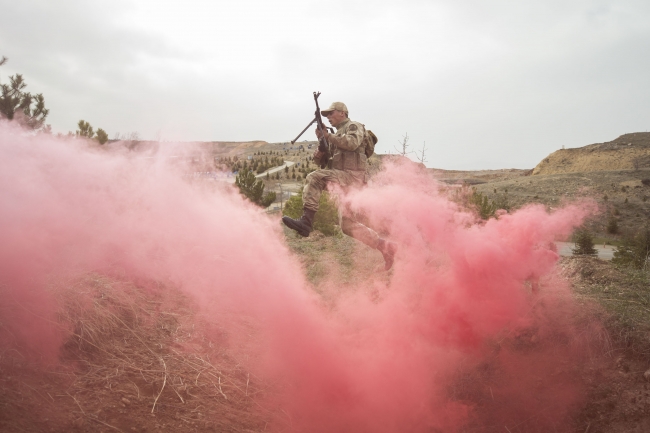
x,y
316,182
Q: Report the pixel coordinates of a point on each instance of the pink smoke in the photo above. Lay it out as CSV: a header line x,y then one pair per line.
x,y
455,298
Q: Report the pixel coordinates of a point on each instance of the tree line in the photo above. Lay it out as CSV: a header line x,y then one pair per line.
x,y
28,110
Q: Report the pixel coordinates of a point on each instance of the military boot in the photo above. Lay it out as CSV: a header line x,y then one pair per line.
x,y
388,250
303,225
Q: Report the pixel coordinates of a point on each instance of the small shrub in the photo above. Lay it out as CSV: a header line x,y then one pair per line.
x,y
605,198
482,204
635,250
612,226
327,217
501,202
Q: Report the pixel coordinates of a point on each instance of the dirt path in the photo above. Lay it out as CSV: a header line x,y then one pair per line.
x,y
565,249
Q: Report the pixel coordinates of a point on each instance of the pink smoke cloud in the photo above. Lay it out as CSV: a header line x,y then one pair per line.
x,y
457,290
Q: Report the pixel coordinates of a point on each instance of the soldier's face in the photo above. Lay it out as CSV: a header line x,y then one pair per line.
x,y
336,117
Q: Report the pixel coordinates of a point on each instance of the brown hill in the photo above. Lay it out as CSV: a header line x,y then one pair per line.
x,y
627,152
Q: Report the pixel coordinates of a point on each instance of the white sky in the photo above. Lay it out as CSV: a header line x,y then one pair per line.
x,y
485,84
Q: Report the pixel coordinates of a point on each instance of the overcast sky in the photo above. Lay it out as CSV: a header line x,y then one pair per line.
x,y
483,83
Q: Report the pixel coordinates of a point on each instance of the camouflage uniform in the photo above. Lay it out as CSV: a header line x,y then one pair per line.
x,y
349,164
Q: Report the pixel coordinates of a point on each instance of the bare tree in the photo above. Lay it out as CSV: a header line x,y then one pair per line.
x,y
421,155
403,146
129,139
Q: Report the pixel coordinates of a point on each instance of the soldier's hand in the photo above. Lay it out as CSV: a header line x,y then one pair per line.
x,y
317,155
322,133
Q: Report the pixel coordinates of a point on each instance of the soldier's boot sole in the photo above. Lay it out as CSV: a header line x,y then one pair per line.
x,y
300,226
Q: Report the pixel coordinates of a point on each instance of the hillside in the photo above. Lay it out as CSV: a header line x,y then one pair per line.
x,y
227,148
201,320
620,194
476,177
627,152
616,174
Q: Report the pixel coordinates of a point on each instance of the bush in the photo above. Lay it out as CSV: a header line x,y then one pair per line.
x,y
482,204
253,189
584,243
612,226
501,202
635,250
327,217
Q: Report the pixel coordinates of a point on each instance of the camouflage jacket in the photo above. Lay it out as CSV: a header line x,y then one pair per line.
x,y
349,147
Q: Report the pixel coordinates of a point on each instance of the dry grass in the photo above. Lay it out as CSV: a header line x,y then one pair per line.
x,y
134,359
624,295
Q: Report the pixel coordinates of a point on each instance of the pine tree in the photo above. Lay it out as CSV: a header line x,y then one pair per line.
x,y
584,243
16,104
612,225
635,250
85,130
253,189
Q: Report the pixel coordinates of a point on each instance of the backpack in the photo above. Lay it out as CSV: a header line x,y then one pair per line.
x,y
370,139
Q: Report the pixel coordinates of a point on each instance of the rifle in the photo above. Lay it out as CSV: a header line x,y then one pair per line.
x,y
323,145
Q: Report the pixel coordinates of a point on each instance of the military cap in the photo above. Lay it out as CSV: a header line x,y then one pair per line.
x,y
340,106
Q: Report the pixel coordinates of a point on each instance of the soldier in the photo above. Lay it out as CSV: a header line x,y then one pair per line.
x,y
348,169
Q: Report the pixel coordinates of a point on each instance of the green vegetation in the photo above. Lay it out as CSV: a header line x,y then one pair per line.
x,y
584,243
253,189
258,163
85,130
612,225
327,217
624,293
487,208
17,104
101,136
634,251
483,205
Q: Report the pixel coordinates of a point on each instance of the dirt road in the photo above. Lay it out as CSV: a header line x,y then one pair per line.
x,y
604,252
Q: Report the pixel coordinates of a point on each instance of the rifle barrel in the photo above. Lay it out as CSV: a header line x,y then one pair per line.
x,y
303,131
